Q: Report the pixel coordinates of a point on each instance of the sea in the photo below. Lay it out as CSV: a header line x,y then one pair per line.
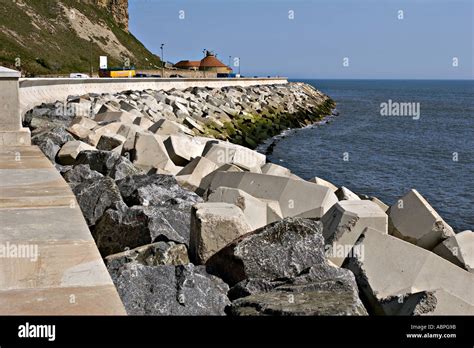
x,y
391,136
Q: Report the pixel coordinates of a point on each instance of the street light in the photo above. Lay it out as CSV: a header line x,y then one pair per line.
x,y
204,51
162,61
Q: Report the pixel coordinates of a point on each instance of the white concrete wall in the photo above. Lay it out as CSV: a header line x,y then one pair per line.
x,y
34,91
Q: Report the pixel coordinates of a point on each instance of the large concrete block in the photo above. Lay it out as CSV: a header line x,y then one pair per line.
x,y
413,219
254,209
110,142
70,150
390,268
213,226
223,152
296,198
182,148
207,180
343,194
85,122
323,182
129,132
381,204
143,122
97,132
192,174
149,152
275,169
80,132
345,222
436,302
458,249
115,116
166,127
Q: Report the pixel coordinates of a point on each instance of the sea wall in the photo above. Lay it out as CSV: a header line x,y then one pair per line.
x,y
34,91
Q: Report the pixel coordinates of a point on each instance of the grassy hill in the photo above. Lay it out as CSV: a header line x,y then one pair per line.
x,y
63,36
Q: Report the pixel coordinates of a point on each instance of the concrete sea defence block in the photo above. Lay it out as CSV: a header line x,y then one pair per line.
x,y
392,268
193,173
110,142
323,182
381,204
222,153
70,151
345,222
115,116
458,249
343,193
275,169
296,197
97,132
254,209
182,149
413,219
85,122
150,152
166,127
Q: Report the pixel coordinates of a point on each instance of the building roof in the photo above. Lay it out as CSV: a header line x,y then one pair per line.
x,y
186,64
212,62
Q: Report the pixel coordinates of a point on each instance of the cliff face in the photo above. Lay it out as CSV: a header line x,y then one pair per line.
x,y
118,9
42,37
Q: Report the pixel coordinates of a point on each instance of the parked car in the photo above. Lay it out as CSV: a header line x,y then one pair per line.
x,y
176,75
78,76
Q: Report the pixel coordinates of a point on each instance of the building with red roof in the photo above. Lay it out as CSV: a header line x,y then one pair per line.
x,y
208,63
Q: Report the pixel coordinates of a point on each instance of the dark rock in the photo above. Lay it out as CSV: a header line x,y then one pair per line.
x,y
300,300
155,189
48,115
126,227
161,253
50,141
120,228
280,250
251,286
107,163
169,290
48,147
169,223
95,196
79,173
62,169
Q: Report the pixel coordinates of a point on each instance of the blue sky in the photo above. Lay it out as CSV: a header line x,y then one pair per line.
x,y
321,34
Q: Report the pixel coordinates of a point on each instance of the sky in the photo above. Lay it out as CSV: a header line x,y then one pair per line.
x,y
324,39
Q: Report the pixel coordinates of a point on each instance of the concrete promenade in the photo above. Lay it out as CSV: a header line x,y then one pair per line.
x,y
49,262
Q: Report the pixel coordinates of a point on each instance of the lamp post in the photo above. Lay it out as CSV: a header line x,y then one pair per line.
x,y
162,61
90,57
204,51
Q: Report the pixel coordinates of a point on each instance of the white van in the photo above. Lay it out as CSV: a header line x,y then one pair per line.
x,y
78,76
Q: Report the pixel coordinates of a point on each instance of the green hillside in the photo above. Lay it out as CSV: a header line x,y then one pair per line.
x,y
63,36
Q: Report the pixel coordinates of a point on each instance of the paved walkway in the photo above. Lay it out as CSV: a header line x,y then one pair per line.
x,y
49,263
